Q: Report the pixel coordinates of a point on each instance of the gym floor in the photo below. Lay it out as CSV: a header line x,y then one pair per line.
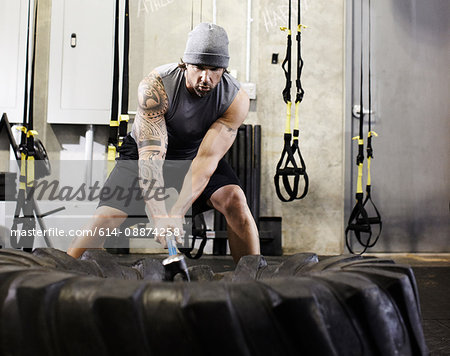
x,y
433,280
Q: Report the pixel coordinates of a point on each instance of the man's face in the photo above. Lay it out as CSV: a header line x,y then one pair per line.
x,y
201,80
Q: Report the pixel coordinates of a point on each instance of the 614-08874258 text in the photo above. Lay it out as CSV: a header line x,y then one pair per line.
x,y
129,232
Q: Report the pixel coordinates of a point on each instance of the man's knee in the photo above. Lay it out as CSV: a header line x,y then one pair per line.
x,y
230,199
108,217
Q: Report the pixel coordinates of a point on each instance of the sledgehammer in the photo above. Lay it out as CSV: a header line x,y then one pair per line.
x,y
175,263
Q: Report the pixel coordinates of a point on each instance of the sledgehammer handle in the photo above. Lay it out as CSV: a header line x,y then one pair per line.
x,y
171,245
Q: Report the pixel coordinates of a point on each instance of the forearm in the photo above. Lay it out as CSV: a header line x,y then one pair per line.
x,y
194,183
152,184
149,130
215,144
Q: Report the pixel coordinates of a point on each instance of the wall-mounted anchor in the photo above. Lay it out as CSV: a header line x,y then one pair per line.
x,y
356,111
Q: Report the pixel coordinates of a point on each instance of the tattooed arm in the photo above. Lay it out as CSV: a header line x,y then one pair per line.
x,y
215,144
149,130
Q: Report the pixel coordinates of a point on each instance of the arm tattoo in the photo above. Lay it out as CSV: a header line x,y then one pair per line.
x,y
232,132
149,127
149,130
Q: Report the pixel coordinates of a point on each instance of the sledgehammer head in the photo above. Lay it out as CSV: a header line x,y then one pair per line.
x,y
175,264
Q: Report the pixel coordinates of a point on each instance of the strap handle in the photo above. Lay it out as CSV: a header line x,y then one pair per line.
x,y
287,167
197,232
358,223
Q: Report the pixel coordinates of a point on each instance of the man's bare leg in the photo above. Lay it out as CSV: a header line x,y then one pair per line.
x,y
104,218
243,234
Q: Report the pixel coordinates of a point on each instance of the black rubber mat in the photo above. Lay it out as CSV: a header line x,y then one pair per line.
x,y
434,291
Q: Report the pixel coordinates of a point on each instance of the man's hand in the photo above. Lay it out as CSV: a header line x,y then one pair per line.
x,y
169,227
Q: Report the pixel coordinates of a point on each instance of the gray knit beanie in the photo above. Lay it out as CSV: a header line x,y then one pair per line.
x,y
207,44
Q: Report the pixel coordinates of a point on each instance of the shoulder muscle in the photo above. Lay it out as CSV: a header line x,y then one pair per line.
x,y
152,97
237,112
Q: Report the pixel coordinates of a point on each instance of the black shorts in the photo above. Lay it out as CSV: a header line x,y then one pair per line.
x,y
125,178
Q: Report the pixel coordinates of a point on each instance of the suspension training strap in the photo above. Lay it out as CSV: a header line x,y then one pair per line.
x,y
373,220
24,205
287,165
123,119
114,122
358,222
298,99
199,230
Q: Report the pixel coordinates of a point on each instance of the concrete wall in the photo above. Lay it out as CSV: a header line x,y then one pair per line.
x,y
316,222
158,35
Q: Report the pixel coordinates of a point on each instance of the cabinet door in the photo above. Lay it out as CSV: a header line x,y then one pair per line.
x,y
81,61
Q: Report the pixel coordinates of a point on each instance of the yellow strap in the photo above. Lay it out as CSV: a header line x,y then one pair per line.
x,y
372,133
24,130
114,123
21,128
300,26
23,170
369,181
359,182
124,117
111,153
111,159
30,171
282,28
360,141
31,133
288,117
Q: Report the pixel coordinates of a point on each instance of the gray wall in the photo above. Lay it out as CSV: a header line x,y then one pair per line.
x,y
158,36
411,87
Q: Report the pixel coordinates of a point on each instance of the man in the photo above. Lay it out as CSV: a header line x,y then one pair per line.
x,y
190,111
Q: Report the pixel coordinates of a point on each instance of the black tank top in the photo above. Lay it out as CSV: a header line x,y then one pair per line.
x,y
189,116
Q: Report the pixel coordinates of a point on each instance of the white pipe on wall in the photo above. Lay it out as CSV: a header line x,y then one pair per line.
x,y
249,39
214,11
88,154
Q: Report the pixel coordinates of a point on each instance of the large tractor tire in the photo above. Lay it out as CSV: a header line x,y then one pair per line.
x,y
52,304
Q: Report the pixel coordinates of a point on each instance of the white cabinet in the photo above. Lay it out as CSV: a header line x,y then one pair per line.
x,y
81,61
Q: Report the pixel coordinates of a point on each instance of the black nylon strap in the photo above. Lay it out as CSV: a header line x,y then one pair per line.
x,y
283,171
288,60
24,204
126,51
369,136
114,127
373,220
30,138
298,82
301,170
123,125
289,169
197,232
359,221
23,136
